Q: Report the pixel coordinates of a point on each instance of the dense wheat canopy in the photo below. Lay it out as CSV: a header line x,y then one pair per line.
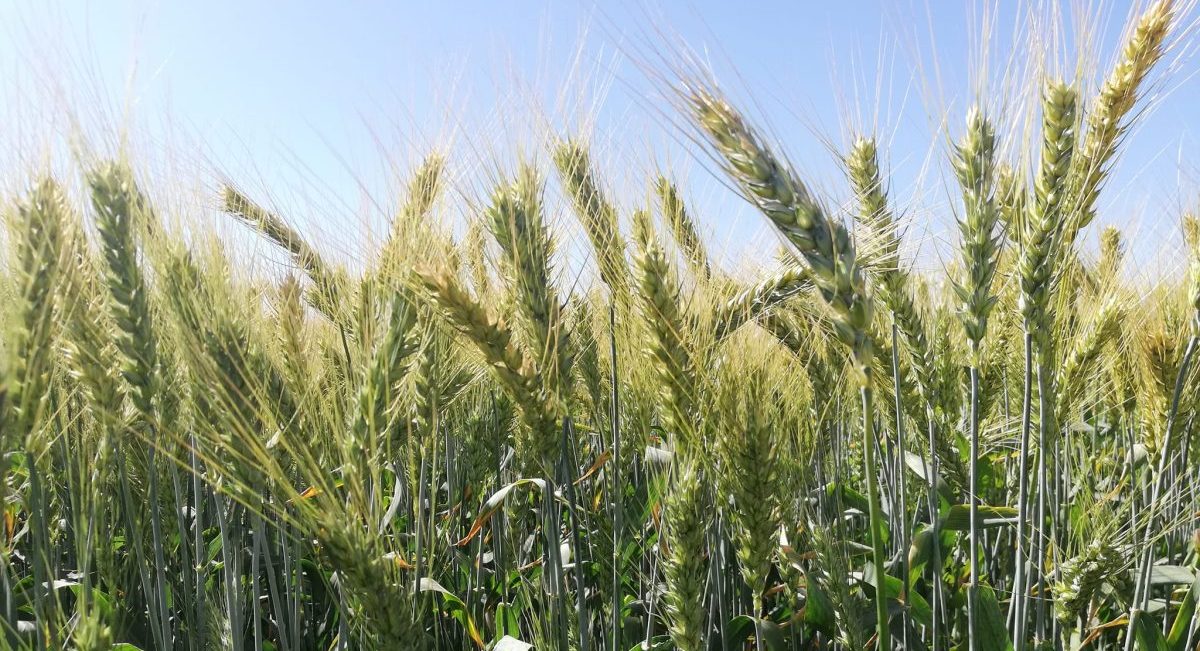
x,y
543,413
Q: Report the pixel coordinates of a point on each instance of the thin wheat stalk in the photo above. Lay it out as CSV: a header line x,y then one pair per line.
x,y
1035,268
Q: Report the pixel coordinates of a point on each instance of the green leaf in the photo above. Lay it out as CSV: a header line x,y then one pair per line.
x,y
1147,635
1172,575
920,551
992,634
657,643
818,609
850,497
958,518
916,465
742,629
455,607
494,503
1177,637
507,621
893,590
99,599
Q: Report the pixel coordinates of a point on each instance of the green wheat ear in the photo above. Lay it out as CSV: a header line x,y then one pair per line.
x,y
749,304
518,224
1191,237
39,223
423,190
669,329
597,215
1081,576
749,472
1112,256
1011,199
974,166
894,287
474,246
823,243
685,524
862,166
118,204
683,228
1044,221
1106,123
1095,334
514,370
330,282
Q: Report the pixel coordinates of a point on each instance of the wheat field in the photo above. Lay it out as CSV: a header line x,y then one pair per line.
x,y
450,447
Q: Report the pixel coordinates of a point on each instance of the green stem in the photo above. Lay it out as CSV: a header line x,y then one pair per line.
x,y
1020,591
931,468
871,478
973,507
618,486
900,467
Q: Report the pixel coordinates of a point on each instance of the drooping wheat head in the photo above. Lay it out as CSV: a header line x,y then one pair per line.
x,y
824,243
329,281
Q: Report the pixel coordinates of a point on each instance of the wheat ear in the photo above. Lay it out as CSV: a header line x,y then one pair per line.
x,y
598,216
1039,243
669,330
974,166
685,523
518,224
749,473
683,227
515,371
823,243
330,282
40,246
1106,123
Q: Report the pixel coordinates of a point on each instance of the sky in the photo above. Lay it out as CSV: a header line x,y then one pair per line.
x,y
320,108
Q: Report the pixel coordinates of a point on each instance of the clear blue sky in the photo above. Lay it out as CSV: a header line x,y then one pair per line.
x,y
310,101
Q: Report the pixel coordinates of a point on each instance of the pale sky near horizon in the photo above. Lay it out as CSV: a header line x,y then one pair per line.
x,y
319,105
